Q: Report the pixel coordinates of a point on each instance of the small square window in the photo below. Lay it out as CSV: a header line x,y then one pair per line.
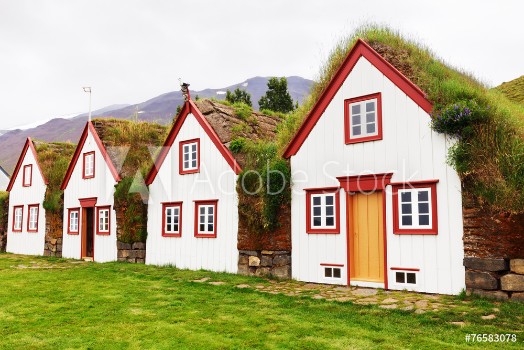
x,y
400,277
328,272
363,119
411,278
336,272
404,277
415,208
206,218
189,156
332,272
322,206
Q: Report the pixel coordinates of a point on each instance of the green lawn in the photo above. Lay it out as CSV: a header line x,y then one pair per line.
x,y
48,303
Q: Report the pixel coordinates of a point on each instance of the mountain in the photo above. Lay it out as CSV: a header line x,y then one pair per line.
x,y
514,90
159,109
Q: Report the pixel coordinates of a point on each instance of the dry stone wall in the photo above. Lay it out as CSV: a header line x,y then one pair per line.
x,y
275,263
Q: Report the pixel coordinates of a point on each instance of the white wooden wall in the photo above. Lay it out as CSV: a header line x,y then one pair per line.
x,y
4,181
101,186
216,180
27,242
409,149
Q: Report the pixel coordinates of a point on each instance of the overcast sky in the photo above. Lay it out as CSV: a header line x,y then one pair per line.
x,y
130,50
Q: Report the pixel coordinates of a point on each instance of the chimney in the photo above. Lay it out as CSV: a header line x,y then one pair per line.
x,y
184,87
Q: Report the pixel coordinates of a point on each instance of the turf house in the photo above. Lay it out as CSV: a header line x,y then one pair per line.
x,y
104,209
35,207
410,175
193,218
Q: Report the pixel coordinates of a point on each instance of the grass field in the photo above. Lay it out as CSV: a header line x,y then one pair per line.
x,y
49,303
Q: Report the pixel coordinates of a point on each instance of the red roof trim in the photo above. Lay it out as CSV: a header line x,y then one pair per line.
x,y
89,127
28,145
360,48
190,107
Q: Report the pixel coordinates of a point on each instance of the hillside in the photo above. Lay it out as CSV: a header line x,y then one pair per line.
x,y
160,109
513,90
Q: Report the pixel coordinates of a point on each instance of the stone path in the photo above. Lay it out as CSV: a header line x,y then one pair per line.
x,y
401,300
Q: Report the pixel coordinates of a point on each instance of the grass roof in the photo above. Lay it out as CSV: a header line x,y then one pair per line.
x,y
489,159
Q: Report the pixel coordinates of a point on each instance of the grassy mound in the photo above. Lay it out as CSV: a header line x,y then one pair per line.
x,y
488,126
54,159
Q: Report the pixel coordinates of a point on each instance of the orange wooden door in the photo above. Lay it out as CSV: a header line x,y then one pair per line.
x,y
366,237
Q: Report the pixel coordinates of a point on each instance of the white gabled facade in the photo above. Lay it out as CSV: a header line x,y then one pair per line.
x,y
26,221
89,216
4,179
396,232
176,190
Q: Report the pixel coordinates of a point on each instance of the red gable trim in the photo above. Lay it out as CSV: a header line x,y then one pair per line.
x,y
361,49
28,145
190,107
89,127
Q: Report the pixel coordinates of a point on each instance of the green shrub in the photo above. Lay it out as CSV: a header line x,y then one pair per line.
x,y
237,145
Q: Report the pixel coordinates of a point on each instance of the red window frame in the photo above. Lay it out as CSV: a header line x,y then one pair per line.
x,y
327,190
432,185
214,203
24,180
98,210
21,219
84,176
347,119
181,157
69,211
171,205
37,206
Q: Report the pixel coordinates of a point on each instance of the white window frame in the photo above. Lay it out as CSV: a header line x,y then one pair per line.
x,y
73,222
32,224
415,208
193,156
176,214
363,119
18,219
103,220
89,165
323,211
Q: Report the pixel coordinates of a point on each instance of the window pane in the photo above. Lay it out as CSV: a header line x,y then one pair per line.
x,y
328,272
202,210
406,196
210,218
400,277
411,278
329,200
176,219
186,156
317,222
406,208
356,130
316,200
176,210
194,147
330,221
202,219
423,196
370,106
336,273
210,210
329,211
193,164
407,220
370,118
210,227
423,220
316,211
202,227
370,128
355,120
175,228
355,109
423,208
186,165
168,219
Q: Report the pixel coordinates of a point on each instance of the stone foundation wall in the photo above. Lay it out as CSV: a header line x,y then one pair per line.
x,y
131,252
495,278
53,234
275,263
